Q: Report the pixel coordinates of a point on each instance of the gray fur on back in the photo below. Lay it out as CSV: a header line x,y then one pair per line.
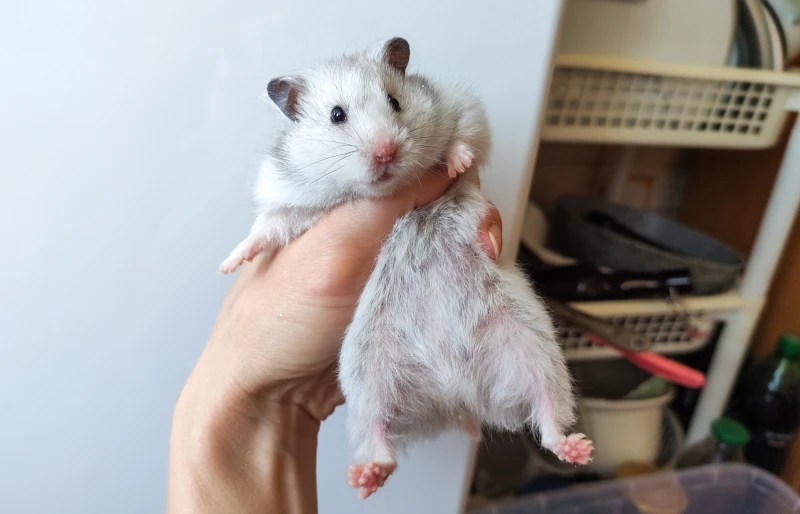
x,y
442,334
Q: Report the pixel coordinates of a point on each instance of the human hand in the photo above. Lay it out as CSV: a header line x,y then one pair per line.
x,y
280,327
269,365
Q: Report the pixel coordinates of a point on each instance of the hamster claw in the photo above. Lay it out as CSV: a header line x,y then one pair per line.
x,y
459,159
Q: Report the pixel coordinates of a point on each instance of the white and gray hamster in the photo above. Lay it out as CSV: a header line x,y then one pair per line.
x,y
442,336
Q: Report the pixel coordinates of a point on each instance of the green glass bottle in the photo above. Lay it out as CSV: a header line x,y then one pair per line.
x,y
726,443
770,405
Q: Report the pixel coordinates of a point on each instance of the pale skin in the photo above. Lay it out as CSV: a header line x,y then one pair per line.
x,y
244,433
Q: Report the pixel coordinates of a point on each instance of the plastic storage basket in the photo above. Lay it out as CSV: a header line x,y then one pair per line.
x,y
674,328
717,489
604,99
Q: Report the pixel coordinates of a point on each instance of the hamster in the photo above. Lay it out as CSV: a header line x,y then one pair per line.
x,y
360,128
442,336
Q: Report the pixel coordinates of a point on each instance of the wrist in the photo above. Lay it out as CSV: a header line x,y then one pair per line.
x,y
235,452
209,413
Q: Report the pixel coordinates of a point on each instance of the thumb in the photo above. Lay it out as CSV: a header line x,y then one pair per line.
x,y
366,223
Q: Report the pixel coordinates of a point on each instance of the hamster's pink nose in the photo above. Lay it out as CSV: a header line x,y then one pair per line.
x,y
385,150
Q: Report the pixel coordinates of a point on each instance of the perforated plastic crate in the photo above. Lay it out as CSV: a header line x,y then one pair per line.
x,y
674,328
717,489
598,99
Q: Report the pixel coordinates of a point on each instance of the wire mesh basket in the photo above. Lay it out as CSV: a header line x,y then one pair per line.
x,y
674,329
596,99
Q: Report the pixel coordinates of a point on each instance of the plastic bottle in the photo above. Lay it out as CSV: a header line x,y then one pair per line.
x,y
770,404
726,443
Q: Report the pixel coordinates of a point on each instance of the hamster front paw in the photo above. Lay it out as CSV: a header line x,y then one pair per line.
x,y
459,159
369,477
244,251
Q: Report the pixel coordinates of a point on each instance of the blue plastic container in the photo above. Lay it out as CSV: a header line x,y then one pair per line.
x,y
715,489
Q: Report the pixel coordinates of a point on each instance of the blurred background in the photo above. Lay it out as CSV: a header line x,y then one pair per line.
x,y
662,207
645,164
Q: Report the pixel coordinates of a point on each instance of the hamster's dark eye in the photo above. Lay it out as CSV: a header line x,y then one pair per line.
x,y
338,115
394,103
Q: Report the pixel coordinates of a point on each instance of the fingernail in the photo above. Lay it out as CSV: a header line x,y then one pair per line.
x,y
495,235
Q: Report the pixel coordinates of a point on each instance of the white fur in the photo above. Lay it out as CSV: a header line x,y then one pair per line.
x,y
441,336
317,165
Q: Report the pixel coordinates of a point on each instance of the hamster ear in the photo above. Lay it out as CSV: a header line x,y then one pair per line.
x,y
285,92
395,52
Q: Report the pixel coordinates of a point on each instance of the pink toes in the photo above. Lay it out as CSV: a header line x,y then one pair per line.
x,y
459,159
230,265
574,448
368,477
246,251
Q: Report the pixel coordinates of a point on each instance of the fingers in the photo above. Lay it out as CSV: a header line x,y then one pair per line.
x,y
346,242
427,189
490,233
371,220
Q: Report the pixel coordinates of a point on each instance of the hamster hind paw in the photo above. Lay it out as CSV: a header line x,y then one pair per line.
x,y
459,159
369,477
574,448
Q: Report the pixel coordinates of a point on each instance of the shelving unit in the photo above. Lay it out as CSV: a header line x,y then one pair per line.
x,y
610,100
675,328
618,101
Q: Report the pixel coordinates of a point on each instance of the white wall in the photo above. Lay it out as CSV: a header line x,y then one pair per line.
x,y
129,132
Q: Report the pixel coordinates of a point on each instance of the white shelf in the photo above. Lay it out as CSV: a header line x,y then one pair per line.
x,y
613,100
608,309
619,101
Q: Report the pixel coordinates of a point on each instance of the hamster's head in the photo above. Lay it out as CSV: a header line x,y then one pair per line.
x,y
360,125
